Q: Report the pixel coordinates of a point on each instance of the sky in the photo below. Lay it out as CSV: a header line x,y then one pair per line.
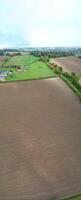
x,y
40,23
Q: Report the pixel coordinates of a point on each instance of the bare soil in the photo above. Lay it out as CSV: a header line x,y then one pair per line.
x,y
2,59
40,140
72,64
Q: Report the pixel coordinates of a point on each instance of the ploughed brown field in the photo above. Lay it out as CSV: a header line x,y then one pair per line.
x,y
72,64
2,59
40,140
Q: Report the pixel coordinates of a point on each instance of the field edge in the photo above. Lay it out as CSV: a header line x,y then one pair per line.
x,y
72,197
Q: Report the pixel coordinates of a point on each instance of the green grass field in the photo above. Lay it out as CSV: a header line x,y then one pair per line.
x,y
23,60
34,69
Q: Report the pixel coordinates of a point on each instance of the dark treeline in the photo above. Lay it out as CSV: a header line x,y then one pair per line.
x,y
74,79
8,51
51,54
55,52
1,52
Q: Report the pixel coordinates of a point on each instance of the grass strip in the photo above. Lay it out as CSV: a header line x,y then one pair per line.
x,y
31,79
73,197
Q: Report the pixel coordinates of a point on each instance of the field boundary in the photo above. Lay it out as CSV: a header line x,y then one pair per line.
x,y
71,197
33,79
74,89
60,74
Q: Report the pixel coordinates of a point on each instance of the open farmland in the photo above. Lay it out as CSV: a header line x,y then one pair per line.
x,y
35,70
29,68
72,64
40,140
21,60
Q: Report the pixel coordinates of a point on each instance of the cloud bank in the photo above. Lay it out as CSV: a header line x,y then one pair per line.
x,y
40,22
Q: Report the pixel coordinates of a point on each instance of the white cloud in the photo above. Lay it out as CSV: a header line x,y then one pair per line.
x,y
42,22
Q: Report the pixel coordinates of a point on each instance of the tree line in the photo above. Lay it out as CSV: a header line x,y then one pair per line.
x,y
51,54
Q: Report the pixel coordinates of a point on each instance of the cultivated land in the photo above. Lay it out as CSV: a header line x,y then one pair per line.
x,y
40,140
2,59
72,64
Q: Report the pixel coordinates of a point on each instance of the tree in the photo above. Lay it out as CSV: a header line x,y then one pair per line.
x,y
73,74
60,69
67,75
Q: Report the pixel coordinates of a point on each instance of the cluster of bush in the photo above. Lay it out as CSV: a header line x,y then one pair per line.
x,y
44,59
79,57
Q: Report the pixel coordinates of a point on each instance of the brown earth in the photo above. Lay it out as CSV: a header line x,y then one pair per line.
x,y
72,64
40,140
2,59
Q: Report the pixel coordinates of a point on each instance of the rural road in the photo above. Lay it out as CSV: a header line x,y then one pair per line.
x,y
40,140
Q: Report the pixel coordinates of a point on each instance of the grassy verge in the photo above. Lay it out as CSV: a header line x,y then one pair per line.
x,y
80,81
76,197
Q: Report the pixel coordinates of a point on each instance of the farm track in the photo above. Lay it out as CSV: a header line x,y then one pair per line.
x,y
72,64
40,140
